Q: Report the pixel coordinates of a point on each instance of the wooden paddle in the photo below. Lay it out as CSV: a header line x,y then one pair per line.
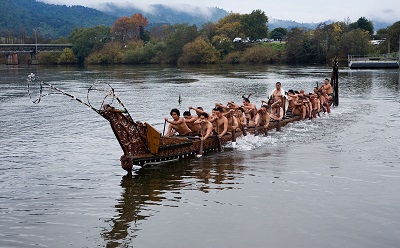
x,y
219,144
165,122
200,152
233,133
278,125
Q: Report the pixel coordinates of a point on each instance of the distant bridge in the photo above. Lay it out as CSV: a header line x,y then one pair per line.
x,y
11,51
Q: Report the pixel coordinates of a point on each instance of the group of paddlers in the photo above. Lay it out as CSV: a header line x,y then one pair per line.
x,y
246,117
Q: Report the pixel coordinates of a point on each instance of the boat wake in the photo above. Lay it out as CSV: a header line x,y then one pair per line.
x,y
251,142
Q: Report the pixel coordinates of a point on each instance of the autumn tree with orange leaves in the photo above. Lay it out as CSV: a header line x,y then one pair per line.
x,y
129,28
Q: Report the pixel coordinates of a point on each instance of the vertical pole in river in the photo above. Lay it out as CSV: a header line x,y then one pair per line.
x,y
335,81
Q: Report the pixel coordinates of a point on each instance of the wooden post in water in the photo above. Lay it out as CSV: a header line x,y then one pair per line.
x,y
335,82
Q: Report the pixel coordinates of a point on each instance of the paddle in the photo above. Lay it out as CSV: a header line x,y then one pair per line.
x,y
278,124
200,152
219,144
165,122
265,131
233,133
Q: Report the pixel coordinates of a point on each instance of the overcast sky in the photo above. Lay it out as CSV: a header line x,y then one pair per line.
x,y
295,10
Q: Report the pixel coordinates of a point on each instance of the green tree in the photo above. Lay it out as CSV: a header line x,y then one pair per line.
x,y
363,24
278,33
255,24
150,52
381,34
179,35
260,54
67,57
47,58
391,42
299,48
88,40
230,26
355,42
223,44
199,51
111,53
208,30
326,38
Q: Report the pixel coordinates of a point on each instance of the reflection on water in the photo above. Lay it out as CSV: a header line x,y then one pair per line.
x,y
162,185
327,182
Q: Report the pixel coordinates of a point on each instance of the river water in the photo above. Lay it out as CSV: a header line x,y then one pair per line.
x,y
330,182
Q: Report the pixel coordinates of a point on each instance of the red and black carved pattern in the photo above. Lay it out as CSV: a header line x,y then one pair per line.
x,y
128,136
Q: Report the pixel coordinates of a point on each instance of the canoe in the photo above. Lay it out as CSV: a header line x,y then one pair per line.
x,y
142,144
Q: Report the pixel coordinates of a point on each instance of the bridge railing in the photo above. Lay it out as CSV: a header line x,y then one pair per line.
x,y
33,48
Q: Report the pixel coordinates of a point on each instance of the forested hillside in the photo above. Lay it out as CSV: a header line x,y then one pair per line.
x,y
53,21
50,20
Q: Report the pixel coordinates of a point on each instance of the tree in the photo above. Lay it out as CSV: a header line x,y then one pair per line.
x,y
299,47
179,35
392,38
363,24
355,42
278,33
67,57
208,30
260,54
230,26
199,51
110,54
326,38
255,24
88,40
132,28
223,44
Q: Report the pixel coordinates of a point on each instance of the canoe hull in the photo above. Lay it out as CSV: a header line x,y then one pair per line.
x,y
142,144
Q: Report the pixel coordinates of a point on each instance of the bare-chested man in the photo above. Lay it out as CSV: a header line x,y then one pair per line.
x,y
206,126
328,88
278,94
299,107
190,122
178,124
276,111
247,105
221,122
262,120
241,119
325,101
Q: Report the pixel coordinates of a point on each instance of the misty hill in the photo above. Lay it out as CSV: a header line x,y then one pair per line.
x,y
277,23
49,19
158,13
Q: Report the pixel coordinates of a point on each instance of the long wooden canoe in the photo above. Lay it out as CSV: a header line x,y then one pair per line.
x,y
143,144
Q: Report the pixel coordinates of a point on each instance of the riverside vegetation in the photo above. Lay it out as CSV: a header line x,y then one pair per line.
x,y
128,41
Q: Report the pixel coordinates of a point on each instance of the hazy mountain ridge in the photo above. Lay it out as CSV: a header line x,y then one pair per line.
x,y
159,13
